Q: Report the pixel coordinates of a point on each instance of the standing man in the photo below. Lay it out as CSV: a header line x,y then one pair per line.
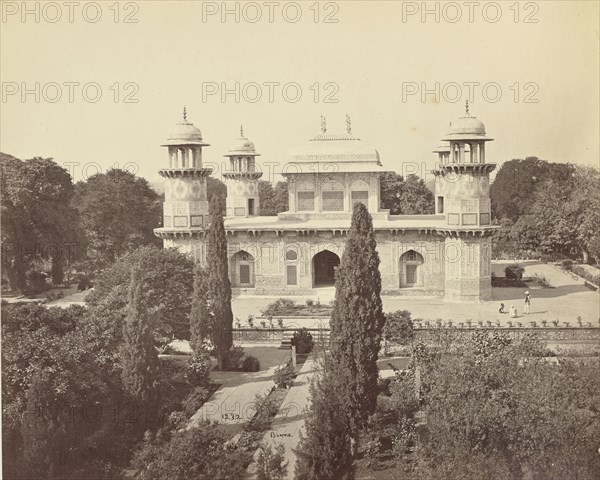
x,y
527,302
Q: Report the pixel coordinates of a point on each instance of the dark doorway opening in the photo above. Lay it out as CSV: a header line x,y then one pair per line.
x,y
325,264
250,207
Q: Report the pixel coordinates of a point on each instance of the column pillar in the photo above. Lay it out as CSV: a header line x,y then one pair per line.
x,y
461,153
482,155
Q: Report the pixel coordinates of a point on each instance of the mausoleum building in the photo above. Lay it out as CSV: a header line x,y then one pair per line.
x,y
446,254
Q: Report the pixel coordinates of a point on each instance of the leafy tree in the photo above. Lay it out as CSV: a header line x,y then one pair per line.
x,y
357,319
139,357
405,196
118,212
49,372
273,200
219,286
194,454
168,279
38,222
523,413
513,189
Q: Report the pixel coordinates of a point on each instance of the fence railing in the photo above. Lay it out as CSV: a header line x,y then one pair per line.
x,y
276,335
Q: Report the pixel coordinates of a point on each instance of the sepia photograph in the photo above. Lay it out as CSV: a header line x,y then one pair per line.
x,y
304,240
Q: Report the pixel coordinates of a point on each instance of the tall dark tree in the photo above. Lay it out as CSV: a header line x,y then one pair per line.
x,y
406,196
357,320
139,358
219,286
200,317
325,453
118,212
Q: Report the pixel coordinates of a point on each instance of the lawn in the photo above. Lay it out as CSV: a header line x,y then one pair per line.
x,y
269,356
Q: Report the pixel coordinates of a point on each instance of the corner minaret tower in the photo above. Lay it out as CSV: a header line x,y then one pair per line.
x,y
186,207
463,197
242,179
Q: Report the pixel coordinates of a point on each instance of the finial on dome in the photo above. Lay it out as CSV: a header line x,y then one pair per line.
x,y
348,124
184,114
323,124
467,106
241,130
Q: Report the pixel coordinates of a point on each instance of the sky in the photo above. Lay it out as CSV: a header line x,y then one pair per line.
x,y
96,85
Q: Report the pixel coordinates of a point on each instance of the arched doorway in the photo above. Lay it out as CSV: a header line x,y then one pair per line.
x,y
411,274
242,270
325,264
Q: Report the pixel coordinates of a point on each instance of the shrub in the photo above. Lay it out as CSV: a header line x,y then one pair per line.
x,y
567,264
541,280
266,409
303,341
281,306
198,370
310,302
284,377
271,464
196,398
583,273
399,327
514,272
36,283
235,357
250,364
84,283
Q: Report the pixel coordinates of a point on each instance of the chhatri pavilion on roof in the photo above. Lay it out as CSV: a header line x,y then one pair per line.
x,y
445,254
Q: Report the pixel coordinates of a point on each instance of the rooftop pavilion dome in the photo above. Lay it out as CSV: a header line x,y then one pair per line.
x,y
242,147
466,127
185,133
345,150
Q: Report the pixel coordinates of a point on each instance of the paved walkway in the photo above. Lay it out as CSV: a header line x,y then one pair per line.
x,y
567,300
233,403
289,422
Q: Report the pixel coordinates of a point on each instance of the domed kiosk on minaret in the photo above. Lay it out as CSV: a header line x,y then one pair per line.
x,y
185,209
241,178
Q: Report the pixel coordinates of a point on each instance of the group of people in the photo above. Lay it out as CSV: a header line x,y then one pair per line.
x,y
512,311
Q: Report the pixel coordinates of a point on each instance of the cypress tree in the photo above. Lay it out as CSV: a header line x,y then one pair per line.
x,y
139,358
325,453
200,317
219,286
357,321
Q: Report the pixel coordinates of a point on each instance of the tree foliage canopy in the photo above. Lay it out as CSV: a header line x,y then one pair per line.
x,y
405,196
118,213
168,275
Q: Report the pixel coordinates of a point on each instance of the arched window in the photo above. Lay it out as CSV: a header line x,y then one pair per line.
x,y
411,266
242,270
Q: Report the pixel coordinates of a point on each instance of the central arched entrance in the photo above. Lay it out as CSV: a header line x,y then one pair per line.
x,y
325,264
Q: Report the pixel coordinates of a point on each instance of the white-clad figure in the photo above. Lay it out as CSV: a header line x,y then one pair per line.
x,y
527,302
512,313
